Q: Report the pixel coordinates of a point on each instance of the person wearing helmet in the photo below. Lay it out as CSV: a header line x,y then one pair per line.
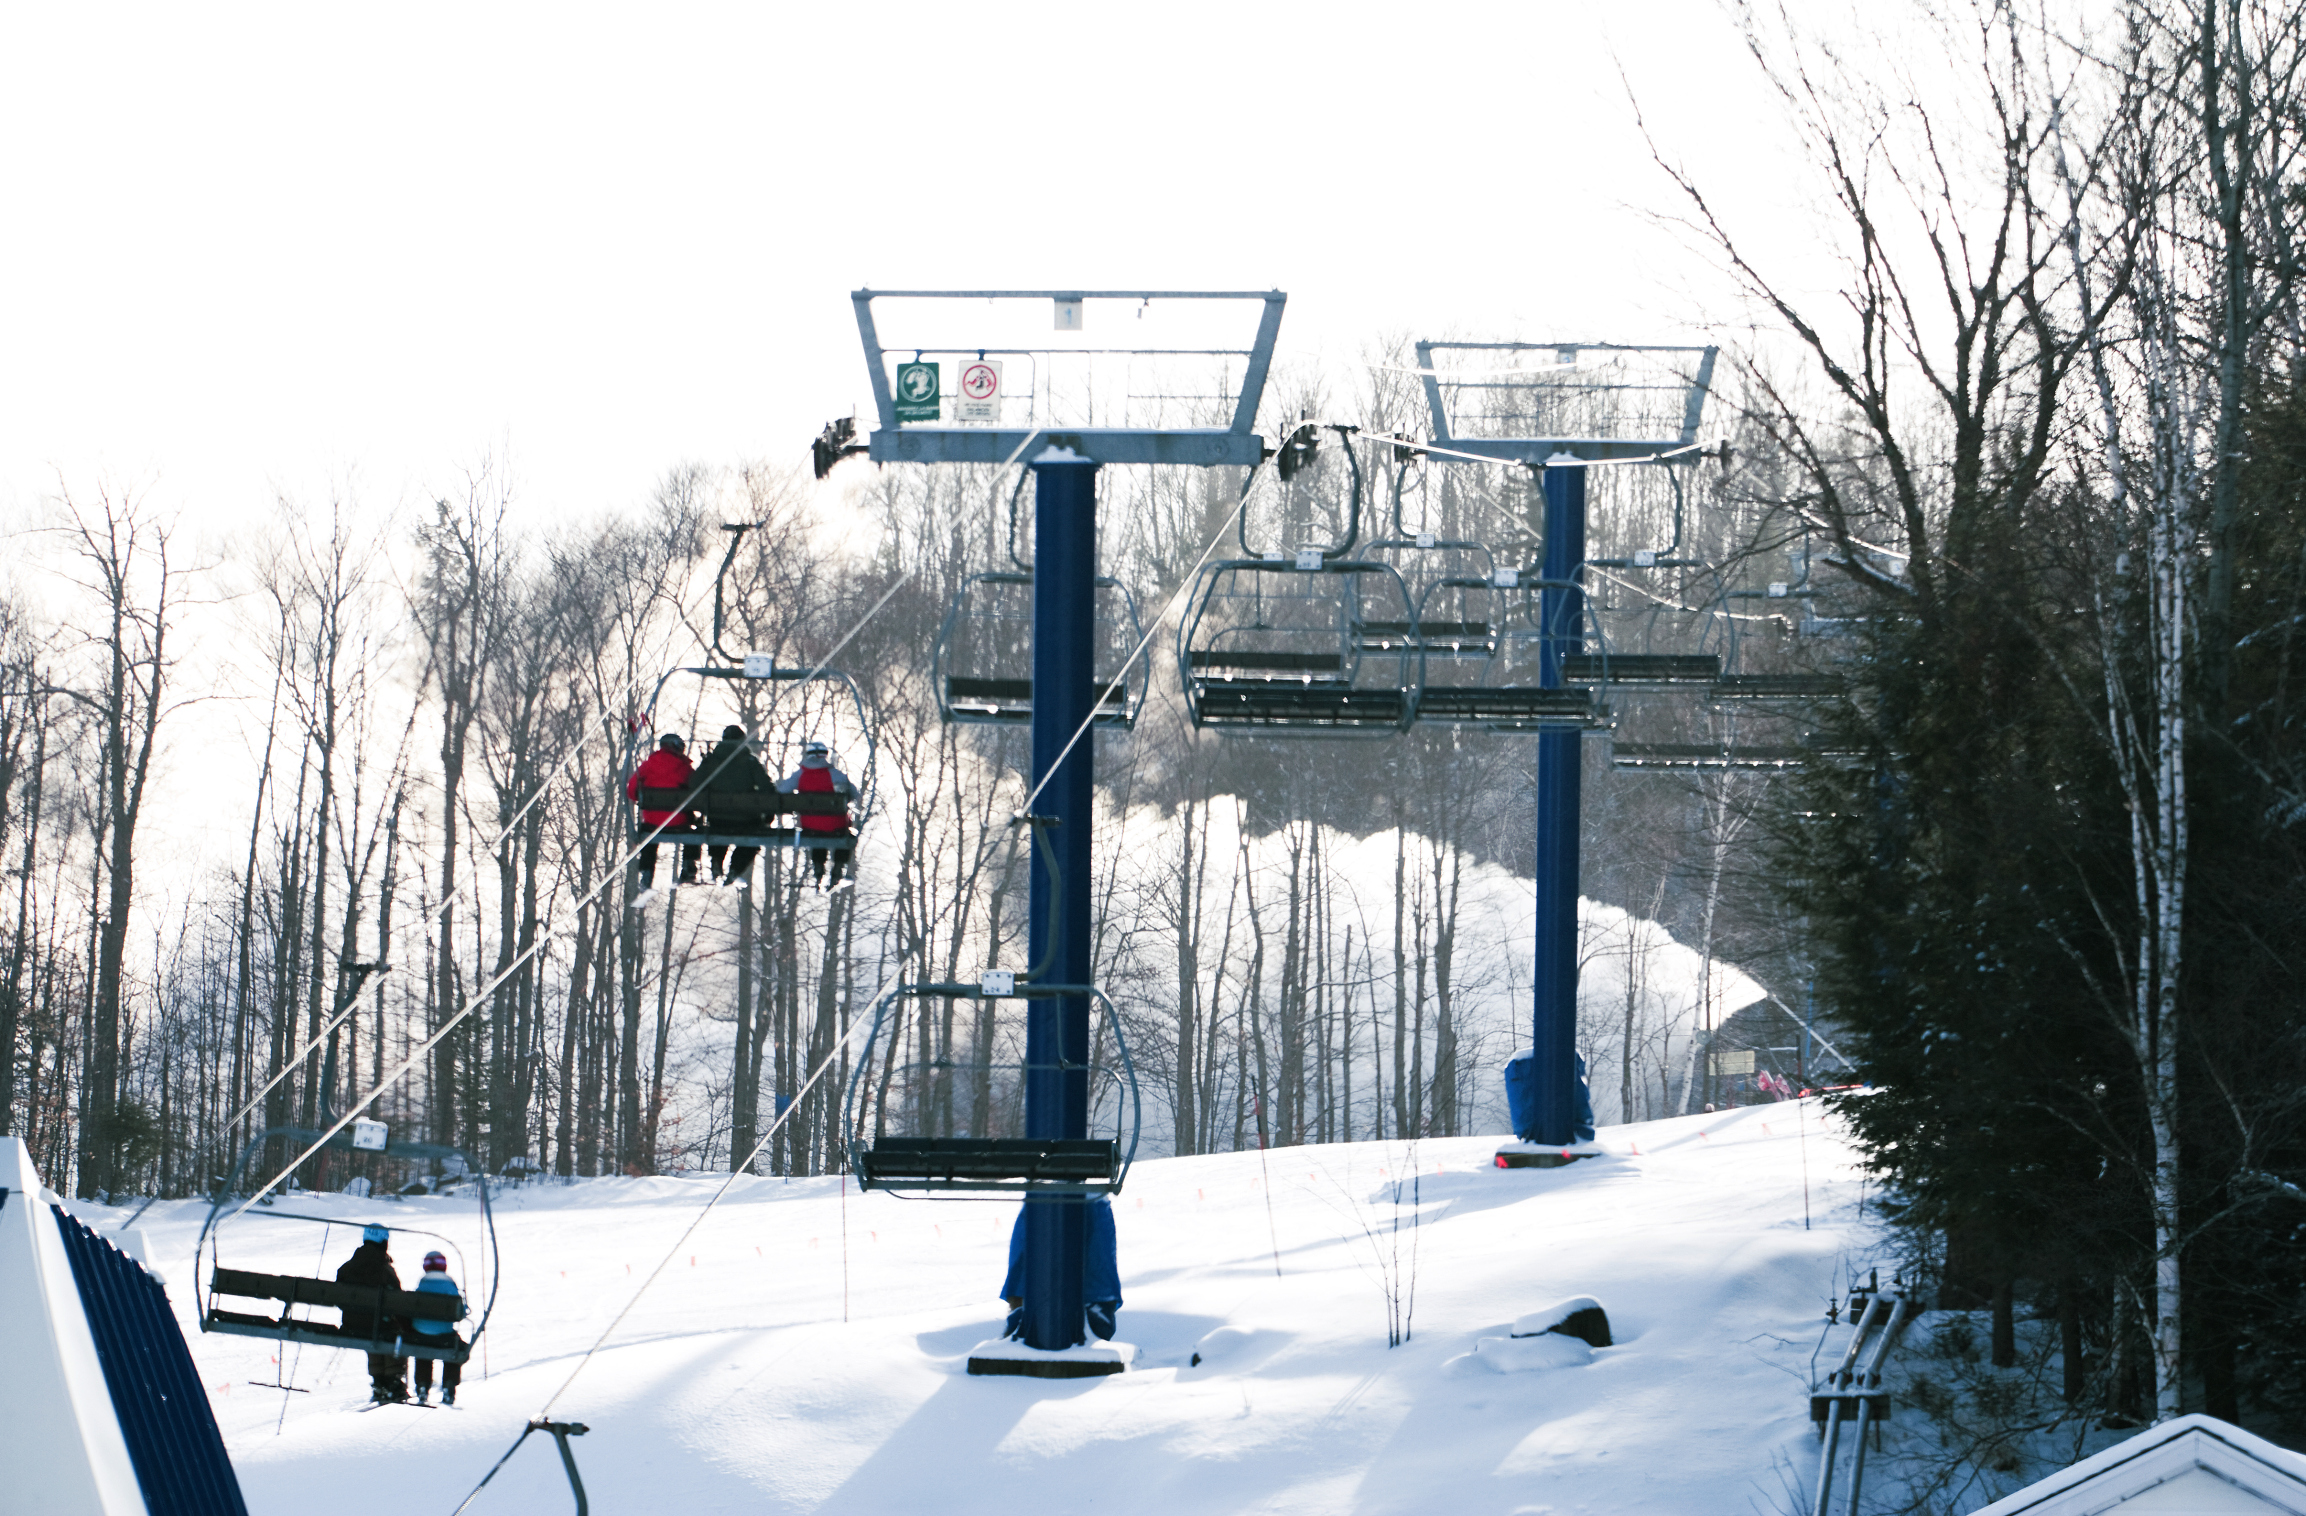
x,y
731,769
817,776
370,1266
667,768
438,1333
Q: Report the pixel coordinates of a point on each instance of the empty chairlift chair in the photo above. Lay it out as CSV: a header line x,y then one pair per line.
x,y
1513,693
912,1120
984,653
1300,643
1451,583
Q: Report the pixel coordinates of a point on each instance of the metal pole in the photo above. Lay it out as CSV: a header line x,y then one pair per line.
x,y
1057,1030
1561,611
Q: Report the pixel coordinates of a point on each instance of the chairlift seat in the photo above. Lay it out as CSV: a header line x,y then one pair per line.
x,y
1308,702
1641,668
744,818
1001,701
1766,686
1703,756
1508,708
1073,1164
1438,637
381,1304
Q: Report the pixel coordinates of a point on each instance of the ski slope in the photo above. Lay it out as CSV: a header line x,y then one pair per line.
x,y
736,1384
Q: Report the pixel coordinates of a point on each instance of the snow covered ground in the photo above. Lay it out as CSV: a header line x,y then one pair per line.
x,y
804,1352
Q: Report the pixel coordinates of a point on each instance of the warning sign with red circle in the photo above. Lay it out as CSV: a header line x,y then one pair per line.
x,y
980,400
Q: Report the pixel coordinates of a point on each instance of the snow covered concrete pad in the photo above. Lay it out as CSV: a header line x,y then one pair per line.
x,y
1580,1316
1002,1355
2193,1466
1541,1155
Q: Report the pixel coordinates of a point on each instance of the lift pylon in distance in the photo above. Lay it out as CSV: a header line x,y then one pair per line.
x,y
1062,382
1557,409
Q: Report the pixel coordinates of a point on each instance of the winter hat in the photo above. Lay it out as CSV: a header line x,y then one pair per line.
x,y
813,749
374,1233
671,742
436,1263
732,734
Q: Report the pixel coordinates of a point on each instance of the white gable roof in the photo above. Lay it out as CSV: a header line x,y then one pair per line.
x,y
61,1449
2193,1466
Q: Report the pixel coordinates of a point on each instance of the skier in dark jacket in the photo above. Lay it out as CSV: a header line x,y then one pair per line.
x,y
731,769
1100,1271
665,769
371,1265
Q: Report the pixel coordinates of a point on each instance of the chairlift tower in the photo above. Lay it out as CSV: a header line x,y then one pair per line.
x,y
1558,409
1081,405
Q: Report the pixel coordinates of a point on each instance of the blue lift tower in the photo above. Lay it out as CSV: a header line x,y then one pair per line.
x,y
1064,406
1559,409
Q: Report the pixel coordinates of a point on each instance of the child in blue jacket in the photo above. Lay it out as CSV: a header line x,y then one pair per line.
x,y
437,1282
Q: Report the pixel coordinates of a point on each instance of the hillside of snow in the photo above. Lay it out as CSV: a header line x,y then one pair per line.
x,y
805,1350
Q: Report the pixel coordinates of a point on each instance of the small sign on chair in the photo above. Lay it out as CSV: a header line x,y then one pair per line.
x,y
998,983
368,1136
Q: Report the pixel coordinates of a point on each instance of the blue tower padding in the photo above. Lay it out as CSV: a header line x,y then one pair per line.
x,y
1057,1029
1552,1110
171,1434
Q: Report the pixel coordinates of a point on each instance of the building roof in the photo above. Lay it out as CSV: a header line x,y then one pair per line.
x,y
2193,1466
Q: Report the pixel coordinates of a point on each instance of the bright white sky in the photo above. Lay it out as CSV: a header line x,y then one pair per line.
x,y
263,247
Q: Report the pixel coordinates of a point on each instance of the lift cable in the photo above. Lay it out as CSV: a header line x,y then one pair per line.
x,y
1184,589
480,995
455,891
544,936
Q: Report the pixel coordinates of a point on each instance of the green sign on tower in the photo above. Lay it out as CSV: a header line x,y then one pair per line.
x,y
919,392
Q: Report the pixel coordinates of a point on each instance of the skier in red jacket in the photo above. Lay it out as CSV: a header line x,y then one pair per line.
x,y
817,776
667,768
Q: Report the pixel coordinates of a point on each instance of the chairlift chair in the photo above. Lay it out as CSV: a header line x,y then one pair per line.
x,y
389,1311
1288,643
1510,693
891,1101
756,819
890,1089
1451,582
984,655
